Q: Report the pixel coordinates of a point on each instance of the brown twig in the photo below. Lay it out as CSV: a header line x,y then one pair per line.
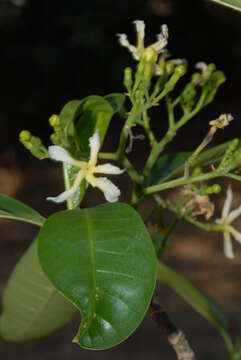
x,y
175,337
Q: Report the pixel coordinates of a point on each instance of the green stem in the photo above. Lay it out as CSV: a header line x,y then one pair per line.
x,y
180,182
70,203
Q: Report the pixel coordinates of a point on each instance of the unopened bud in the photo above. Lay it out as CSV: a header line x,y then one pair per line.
x,y
25,136
128,81
149,55
54,120
181,70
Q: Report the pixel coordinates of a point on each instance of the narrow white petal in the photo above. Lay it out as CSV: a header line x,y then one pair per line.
x,y
227,246
140,31
111,192
58,153
236,234
201,65
68,194
234,214
94,143
123,40
162,39
108,169
227,203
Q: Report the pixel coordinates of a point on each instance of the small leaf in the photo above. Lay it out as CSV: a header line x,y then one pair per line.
x,y
102,259
203,304
96,113
234,4
116,100
166,166
32,307
13,209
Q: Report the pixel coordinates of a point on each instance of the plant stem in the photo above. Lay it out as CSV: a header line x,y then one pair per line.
x,y
181,181
70,203
176,337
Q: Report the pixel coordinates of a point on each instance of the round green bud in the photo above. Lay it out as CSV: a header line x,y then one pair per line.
x,y
54,120
197,171
149,56
180,70
196,78
211,67
170,67
214,189
25,136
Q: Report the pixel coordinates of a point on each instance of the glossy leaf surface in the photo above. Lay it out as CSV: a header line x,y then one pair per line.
x,y
166,166
102,259
234,4
32,307
11,208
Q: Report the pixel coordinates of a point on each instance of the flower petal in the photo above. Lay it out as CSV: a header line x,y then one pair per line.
x,y
227,203
111,192
140,30
94,143
58,153
162,39
236,234
234,214
68,194
227,246
108,169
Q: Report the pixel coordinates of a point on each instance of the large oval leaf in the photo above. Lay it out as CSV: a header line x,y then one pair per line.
x,y
102,259
13,209
234,4
32,307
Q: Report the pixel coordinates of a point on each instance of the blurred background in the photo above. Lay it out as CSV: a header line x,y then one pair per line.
x,y
55,51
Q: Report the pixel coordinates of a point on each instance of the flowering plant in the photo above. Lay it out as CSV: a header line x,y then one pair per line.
x,y
103,262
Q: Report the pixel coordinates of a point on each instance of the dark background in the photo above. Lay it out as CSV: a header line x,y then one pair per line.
x,y
55,51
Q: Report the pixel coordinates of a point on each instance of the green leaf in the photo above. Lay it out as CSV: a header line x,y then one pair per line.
x,y
116,100
13,209
70,173
32,307
203,304
166,166
102,259
96,113
234,4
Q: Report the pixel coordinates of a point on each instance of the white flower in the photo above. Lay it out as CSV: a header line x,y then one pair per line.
x,y
137,50
87,171
226,220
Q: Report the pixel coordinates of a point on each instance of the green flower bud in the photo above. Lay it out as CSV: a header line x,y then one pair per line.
x,y
54,120
197,171
170,67
128,81
149,56
25,136
196,79
211,67
181,70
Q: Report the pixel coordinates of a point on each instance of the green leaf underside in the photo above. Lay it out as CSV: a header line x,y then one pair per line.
x,y
202,303
102,259
32,307
166,166
13,209
234,4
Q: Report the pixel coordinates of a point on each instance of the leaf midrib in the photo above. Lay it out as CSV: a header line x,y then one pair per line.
x,y
92,298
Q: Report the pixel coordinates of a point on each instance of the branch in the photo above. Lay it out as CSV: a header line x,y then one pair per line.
x,y
176,337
